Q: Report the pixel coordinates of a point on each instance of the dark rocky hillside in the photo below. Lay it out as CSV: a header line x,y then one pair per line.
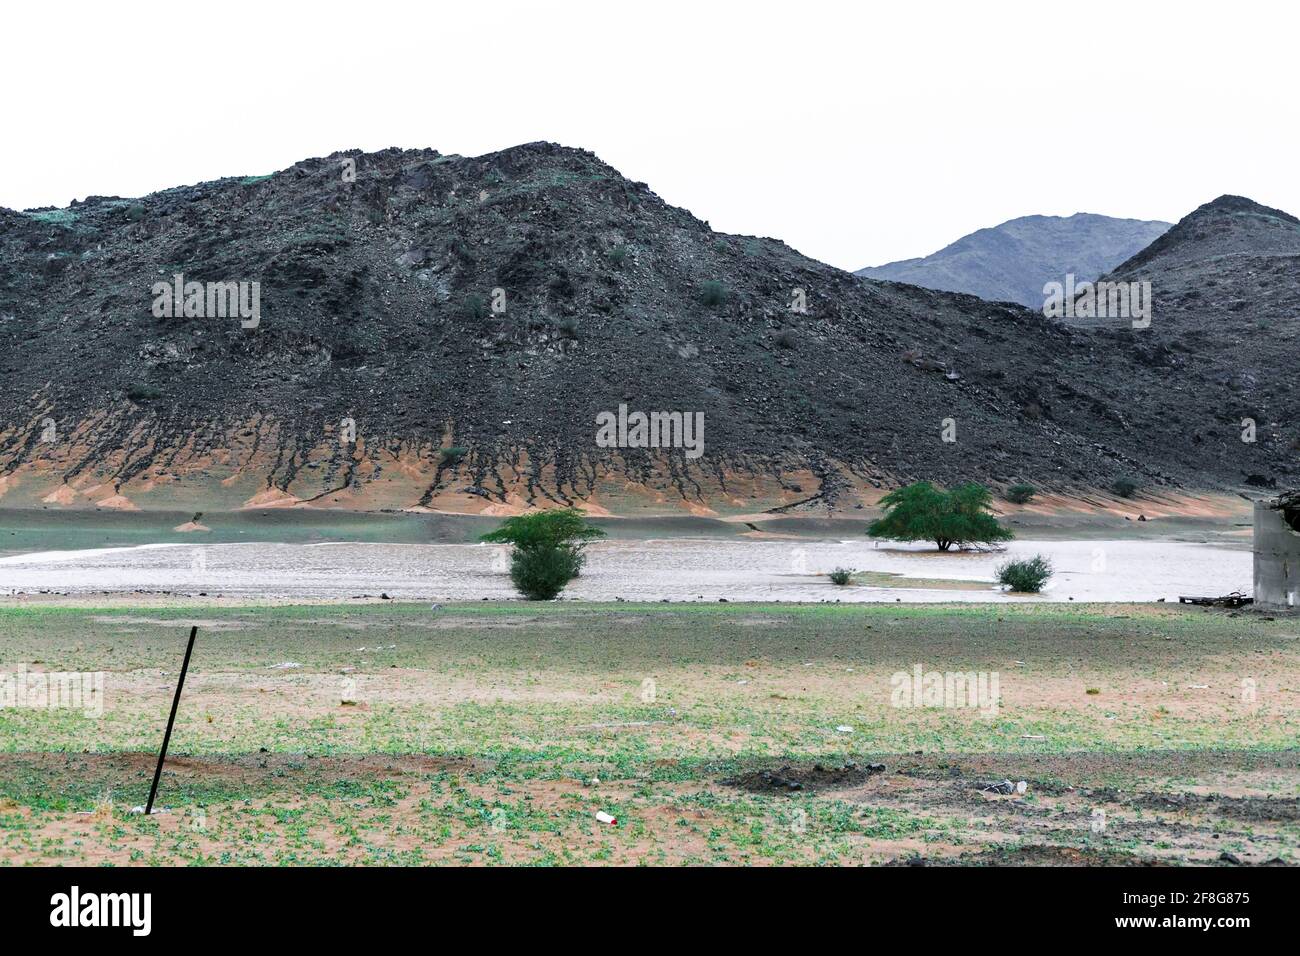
x,y
377,305
1011,262
1226,287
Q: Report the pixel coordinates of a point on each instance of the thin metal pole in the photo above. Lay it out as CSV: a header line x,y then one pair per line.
x,y
153,791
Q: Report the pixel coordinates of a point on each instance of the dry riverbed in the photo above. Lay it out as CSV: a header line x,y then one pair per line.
x,y
678,569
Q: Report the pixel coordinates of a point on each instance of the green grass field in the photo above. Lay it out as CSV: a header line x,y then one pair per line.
x,y
729,733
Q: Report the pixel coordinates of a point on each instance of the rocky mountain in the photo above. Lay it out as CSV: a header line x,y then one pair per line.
x,y
432,331
1224,283
1012,262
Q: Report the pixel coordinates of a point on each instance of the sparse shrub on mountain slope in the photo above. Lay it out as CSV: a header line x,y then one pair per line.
x,y
713,294
1124,487
1021,494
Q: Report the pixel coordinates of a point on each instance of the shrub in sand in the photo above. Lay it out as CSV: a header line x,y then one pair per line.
x,y
1029,575
542,573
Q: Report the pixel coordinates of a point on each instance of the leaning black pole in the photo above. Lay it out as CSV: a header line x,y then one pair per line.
x,y
153,791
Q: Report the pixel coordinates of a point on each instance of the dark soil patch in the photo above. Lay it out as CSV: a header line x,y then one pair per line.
x,y
1261,809
792,779
1050,856
1093,771
36,776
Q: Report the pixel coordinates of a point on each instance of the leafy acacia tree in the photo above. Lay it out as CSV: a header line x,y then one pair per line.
x,y
922,512
548,549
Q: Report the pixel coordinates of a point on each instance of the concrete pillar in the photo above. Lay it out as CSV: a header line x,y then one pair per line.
x,y
1277,557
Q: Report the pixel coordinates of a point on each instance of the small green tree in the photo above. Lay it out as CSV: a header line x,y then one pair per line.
x,y
545,529
921,512
548,549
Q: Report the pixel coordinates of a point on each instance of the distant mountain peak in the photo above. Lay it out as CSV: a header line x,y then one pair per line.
x,y
1240,204
1012,261
1226,226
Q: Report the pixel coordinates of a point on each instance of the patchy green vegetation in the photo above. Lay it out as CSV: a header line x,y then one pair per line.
x,y
492,732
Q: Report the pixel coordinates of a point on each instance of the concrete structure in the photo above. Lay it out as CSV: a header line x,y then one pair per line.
x,y
1277,551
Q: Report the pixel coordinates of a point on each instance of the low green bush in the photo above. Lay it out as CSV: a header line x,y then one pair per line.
x,y
1021,494
143,393
713,294
1124,487
1029,575
474,306
541,573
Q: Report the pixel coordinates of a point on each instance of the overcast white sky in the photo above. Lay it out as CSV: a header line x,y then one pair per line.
x,y
858,133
